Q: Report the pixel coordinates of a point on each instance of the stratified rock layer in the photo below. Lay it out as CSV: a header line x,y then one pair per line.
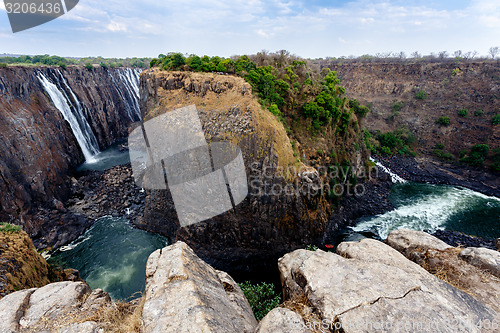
x,y
38,148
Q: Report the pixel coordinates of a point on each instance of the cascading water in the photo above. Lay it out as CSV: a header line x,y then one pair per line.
x,y
129,78
429,207
79,125
394,177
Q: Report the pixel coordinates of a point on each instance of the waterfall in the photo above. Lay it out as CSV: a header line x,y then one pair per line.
x,y
79,125
129,78
394,177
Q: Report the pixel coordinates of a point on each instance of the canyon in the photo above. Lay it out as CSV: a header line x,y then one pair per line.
x,y
42,191
38,147
390,90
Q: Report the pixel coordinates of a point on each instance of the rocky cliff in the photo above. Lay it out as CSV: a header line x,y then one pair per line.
x,y
390,90
366,286
286,207
262,226
38,147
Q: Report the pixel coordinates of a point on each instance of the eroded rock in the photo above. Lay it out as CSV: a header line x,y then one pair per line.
x,y
482,258
371,285
281,320
184,294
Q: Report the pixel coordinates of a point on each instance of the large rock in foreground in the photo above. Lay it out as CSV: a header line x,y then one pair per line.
x,y
184,294
57,307
473,270
371,286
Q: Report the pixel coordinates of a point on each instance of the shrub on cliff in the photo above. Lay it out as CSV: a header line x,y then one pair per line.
x,y
397,142
360,110
3,65
476,155
89,66
463,112
261,296
444,121
397,106
7,227
495,166
421,94
496,119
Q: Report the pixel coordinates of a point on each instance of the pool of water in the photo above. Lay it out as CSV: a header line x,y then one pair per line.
x,y
115,155
111,255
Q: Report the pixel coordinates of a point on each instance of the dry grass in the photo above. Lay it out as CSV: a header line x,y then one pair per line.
x,y
302,306
124,317
449,267
119,317
442,264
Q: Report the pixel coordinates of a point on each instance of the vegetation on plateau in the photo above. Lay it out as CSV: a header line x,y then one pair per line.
x,y
321,122
9,228
63,62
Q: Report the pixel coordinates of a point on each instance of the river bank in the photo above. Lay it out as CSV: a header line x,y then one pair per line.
x,y
428,170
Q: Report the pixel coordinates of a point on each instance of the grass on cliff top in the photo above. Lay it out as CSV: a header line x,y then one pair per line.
x,y
7,227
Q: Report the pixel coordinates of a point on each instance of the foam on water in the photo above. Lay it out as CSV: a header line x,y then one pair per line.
x,y
111,255
432,207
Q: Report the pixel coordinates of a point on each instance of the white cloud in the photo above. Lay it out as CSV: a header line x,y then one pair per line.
x,y
227,27
116,26
262,33
2,5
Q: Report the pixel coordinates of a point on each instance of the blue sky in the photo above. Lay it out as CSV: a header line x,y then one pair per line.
x,y
315,28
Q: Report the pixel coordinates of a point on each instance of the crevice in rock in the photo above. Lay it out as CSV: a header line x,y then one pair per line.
x,y
417,288
23,308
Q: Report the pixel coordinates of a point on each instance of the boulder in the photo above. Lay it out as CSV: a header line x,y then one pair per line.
x,y
473,270
371,286
282,320
406,239
498,244
185,294
482,258
57,307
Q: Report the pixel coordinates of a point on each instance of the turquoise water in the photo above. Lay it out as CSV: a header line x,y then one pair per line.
x,y
108,158
111,255
432,207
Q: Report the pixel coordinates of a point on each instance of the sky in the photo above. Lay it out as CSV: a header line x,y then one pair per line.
x,y
307,28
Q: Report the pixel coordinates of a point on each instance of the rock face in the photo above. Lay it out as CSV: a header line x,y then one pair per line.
x,y
406,240
21,267
282,320
57,307
450,87
473,270
184,294
278,215
37,147
483,258
371,286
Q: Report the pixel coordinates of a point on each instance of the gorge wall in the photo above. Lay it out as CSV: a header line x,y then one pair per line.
x,y
449,86
282,212
38,147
